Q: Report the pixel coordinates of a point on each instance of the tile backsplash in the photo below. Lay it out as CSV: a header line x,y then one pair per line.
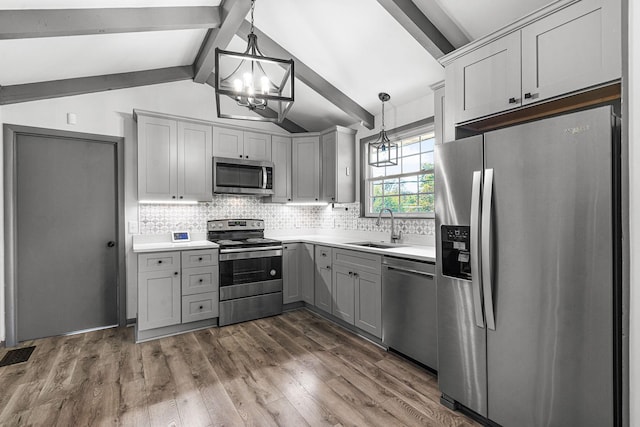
x,y
162,218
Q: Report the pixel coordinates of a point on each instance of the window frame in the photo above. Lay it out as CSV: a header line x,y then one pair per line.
x,y
403,132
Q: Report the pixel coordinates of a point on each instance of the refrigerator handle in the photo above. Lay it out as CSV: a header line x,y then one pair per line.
x,y
475,249
487,266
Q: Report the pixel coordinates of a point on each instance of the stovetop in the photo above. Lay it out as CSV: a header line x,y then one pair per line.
x,y
238,233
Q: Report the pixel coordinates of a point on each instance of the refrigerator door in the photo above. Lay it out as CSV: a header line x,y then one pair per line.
x,y
550,357
462,371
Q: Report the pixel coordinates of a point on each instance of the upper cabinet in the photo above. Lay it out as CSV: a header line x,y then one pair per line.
x,y
338,165
236,143
306,168
563,48
174,159
281,158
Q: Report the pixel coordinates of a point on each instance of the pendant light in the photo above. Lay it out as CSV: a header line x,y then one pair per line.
x,y
254,82
383,152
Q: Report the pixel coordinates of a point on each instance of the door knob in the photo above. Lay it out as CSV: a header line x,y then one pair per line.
x,y
111,244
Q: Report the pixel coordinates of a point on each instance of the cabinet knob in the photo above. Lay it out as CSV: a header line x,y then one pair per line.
x,y
173,197
200,280
200,259
159,261
175,273
530,95
240,155
328,267
181,197
246,157
201,307
324,254
513,101
288,200
316,199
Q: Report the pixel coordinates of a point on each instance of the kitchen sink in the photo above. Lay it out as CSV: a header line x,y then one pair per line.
x,y
377,245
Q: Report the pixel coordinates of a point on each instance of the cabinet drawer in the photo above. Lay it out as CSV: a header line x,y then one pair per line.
x,y
199,258
199,307
159,261
199,280
323,257
358,260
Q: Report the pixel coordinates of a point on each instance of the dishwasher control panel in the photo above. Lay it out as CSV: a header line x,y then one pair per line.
x,y
456,247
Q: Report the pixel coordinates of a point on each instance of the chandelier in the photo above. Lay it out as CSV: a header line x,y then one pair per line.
x,y
253,82
383,152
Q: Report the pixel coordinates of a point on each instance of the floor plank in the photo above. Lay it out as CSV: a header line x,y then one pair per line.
x,y
296,369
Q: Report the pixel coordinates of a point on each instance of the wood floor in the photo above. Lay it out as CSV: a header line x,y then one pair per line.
x,y
296,369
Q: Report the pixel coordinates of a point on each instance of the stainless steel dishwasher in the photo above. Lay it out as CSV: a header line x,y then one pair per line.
x,y
409,310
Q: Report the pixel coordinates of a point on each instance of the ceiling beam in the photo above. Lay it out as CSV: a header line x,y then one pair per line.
x,y
19,24
311,78
233,13
419,26
82,85
269,113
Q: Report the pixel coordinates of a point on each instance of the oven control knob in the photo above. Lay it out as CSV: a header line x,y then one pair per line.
x,y
272,272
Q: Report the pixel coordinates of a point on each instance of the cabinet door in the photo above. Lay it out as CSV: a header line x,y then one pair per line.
x,y
157,163
345,167
323,278
194,161
343,293
228,142
306,274
487,80
306,169
281,158
257,146
158,299
368,303
328,143
291,291
572,49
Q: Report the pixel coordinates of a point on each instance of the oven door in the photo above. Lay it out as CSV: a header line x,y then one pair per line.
x,y
245,273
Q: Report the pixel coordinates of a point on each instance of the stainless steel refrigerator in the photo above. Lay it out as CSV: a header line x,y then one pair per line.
x,y
527,238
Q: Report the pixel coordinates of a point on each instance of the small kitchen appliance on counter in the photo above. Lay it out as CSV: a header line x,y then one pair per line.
x,y
250,270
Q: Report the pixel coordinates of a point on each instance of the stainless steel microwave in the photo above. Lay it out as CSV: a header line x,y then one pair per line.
x,y
239,176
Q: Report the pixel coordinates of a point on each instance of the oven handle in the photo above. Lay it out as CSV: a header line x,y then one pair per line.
x,y
271,251
259,248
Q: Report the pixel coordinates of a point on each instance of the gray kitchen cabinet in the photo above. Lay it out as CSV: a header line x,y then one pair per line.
x,y
439,112
297,267
357,289
323,278
565,47
158,290
574,48
238,143
343,293
291,290
338,148
174,159
306,169
368,302
487,80
281,158
306,273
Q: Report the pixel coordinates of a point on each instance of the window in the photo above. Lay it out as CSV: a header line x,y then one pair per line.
x,y
406,188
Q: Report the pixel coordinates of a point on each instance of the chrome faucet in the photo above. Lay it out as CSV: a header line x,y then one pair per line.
x,y
394,236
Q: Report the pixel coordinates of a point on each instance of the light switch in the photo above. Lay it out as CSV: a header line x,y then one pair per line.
x,y
133,227
72,119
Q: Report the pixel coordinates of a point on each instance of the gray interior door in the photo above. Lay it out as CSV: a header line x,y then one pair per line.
x,y
550,357
66,217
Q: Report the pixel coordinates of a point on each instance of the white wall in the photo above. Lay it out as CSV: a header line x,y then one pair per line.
x,y
111,113
634,211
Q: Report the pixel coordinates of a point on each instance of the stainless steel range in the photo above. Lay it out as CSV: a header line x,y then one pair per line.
x,y
250,270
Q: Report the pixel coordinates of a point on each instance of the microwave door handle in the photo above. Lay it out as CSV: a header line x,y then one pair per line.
x,y
264,177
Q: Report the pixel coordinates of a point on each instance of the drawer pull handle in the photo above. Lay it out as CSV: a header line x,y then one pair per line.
x,y
513,101
530,95
324,254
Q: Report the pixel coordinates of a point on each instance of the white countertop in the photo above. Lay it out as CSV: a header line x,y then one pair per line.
x,y
163,243
421,253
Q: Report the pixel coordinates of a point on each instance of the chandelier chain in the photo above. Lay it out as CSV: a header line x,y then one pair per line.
x,y
253,6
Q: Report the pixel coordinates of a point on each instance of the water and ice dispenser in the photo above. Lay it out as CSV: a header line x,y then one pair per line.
x,y
456,247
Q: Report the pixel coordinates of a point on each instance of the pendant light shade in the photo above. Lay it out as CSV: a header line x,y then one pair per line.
x,y
383,152
253,82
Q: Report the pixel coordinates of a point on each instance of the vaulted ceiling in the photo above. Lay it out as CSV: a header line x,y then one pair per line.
x,y
346,51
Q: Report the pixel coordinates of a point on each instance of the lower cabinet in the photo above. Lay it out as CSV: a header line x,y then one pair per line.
x,y
343,293
297,265
177,288
368,302
323,280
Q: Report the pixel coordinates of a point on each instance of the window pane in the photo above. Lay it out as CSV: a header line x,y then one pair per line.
x,y
427,161
409,185
376,189
376,172
392,203
411,164
409,203
391,186
376,204
427,144
426,202
394,170
409,148
426,183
